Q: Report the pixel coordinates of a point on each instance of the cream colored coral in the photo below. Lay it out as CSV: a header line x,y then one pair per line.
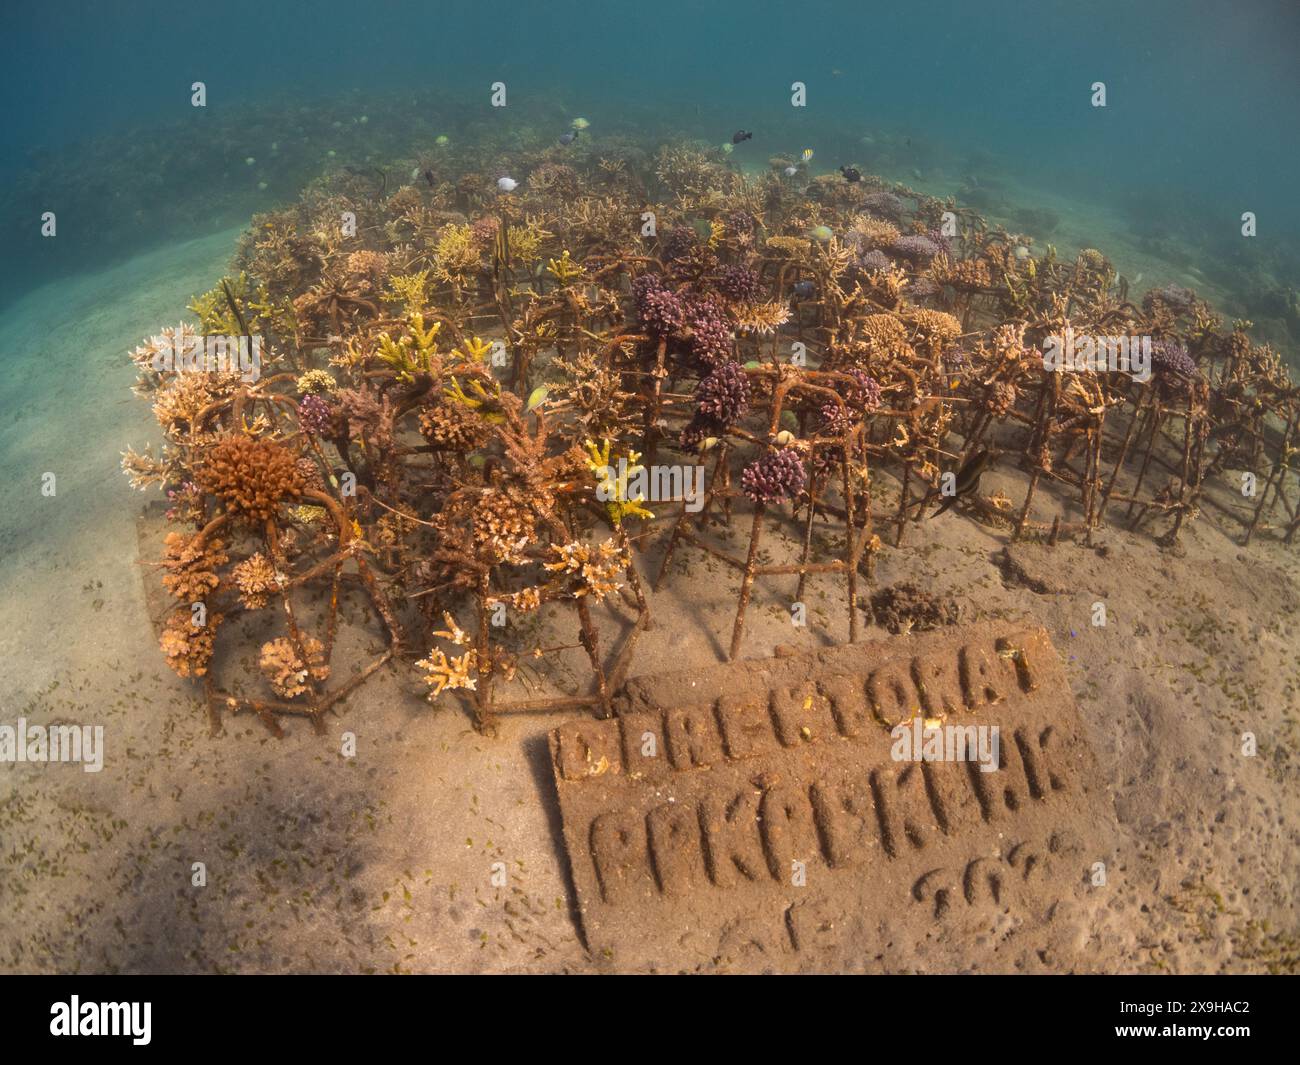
x,y
317,381
286,672
443,673
873,232
255,579
188,647
191,566
762,318
597,570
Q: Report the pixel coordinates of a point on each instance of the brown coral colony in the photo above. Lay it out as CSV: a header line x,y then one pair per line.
x,y
252,477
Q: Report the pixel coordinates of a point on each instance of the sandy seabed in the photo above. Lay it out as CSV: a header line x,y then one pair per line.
x,y
382,862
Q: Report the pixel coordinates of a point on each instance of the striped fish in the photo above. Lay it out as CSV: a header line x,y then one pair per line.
x,y
501,250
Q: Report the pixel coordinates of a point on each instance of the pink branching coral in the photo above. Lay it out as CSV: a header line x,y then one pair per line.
x,y
657,306
711,340
740,284
774,476
315,414
721,400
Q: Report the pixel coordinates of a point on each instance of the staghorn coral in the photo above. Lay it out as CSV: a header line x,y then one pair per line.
x,y
456,254
179,404
444,673
595,572
761,319
970,274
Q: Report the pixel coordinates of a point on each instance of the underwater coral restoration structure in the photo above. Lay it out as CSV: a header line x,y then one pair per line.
x,y
461,373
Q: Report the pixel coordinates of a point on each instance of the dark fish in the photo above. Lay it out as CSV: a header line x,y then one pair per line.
x,y
428,176
741,135
851,173
804,289
570,137
968,478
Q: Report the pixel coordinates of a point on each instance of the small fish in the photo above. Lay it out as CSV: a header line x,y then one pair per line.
x,y
507,184
821,234
836,72
851,174
501,250
807,155
968,478
790,171
741,135
804,289
428,176
570,137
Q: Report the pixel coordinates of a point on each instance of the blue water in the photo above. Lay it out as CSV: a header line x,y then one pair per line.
x,y
1203,100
